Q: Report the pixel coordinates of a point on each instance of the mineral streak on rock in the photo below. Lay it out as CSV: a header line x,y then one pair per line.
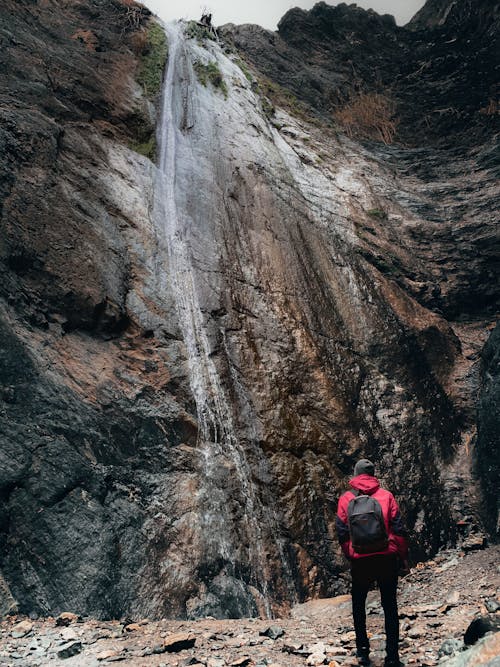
x,y
193,356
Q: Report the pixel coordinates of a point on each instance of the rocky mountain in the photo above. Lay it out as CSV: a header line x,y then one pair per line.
x,y
218,293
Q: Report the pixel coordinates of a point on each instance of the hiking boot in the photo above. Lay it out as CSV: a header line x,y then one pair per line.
x,y
393,662
363,656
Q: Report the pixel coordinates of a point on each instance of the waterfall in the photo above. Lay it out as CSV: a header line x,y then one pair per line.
x,y
181,219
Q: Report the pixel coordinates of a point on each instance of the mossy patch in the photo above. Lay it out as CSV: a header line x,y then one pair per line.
x,y
210,73
274,96
243,67
199,32
146,148
377,213
153,59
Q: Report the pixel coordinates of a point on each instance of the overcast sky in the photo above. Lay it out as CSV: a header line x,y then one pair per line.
x,y
267,13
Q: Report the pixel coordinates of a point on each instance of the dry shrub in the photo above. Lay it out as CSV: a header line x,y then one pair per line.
x,y
139,42
369,116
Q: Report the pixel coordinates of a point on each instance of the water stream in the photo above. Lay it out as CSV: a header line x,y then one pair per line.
x,y
224,536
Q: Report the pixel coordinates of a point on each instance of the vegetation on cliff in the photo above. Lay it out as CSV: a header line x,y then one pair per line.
x,y
210,73
153,58
151,46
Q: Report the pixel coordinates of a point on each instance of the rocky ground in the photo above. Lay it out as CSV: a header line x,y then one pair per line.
x,y
438,601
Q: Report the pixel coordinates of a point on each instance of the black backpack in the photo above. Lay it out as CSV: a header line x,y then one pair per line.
x,y
366,525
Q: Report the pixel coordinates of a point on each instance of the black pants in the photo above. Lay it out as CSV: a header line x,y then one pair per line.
x,y
383,570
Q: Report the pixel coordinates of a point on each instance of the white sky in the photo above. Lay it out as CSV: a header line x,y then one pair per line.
x,y
267,13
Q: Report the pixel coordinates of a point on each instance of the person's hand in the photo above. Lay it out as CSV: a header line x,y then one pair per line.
x,y
404,568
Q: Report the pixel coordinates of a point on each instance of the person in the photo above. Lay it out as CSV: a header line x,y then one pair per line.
x,y
380,564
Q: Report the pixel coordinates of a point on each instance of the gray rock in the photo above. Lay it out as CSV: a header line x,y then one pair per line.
x,y
485,653
479,627
273,632
450,647
69,650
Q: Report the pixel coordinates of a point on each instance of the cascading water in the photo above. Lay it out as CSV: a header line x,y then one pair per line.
x,y
236,545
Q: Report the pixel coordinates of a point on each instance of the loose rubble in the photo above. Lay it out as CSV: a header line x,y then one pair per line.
x,y
444,603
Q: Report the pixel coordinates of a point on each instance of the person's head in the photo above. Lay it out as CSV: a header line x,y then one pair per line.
x,y
364,467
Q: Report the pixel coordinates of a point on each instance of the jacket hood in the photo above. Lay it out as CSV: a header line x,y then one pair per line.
x,y
365,483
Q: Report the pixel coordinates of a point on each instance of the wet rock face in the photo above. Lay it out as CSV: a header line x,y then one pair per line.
x,y
487,454
193,357
89,425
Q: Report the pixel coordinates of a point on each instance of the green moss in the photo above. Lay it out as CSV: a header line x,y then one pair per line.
x,y
146,148
199,32
267,107
244,69
275,96
210,73
153,60
377,213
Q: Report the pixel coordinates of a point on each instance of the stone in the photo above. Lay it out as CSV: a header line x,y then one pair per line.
x,y
319,647
66,618
69,634
241,662
69,650
316,659
106,655
416,632
179,642
292,647
485,653
479,627
21,629
492,605
216,662
273,632
450,647
132,627
474,542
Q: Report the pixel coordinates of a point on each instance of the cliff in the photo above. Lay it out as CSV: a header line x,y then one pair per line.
x,y
200,340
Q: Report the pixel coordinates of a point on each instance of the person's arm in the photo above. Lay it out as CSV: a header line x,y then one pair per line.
x,y
342,526
398,530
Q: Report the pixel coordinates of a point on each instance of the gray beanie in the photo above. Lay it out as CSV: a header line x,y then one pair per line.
x,y
364,467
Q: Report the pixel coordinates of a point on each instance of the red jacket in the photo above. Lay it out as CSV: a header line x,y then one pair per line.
x,y
393,522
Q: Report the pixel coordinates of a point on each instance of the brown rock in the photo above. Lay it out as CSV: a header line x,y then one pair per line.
x,y
316,659
66,618
242,662
22,629
474,543
106,655
293,647
179,642
132,627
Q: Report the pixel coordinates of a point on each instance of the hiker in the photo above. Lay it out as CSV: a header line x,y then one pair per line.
x,y
373,538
